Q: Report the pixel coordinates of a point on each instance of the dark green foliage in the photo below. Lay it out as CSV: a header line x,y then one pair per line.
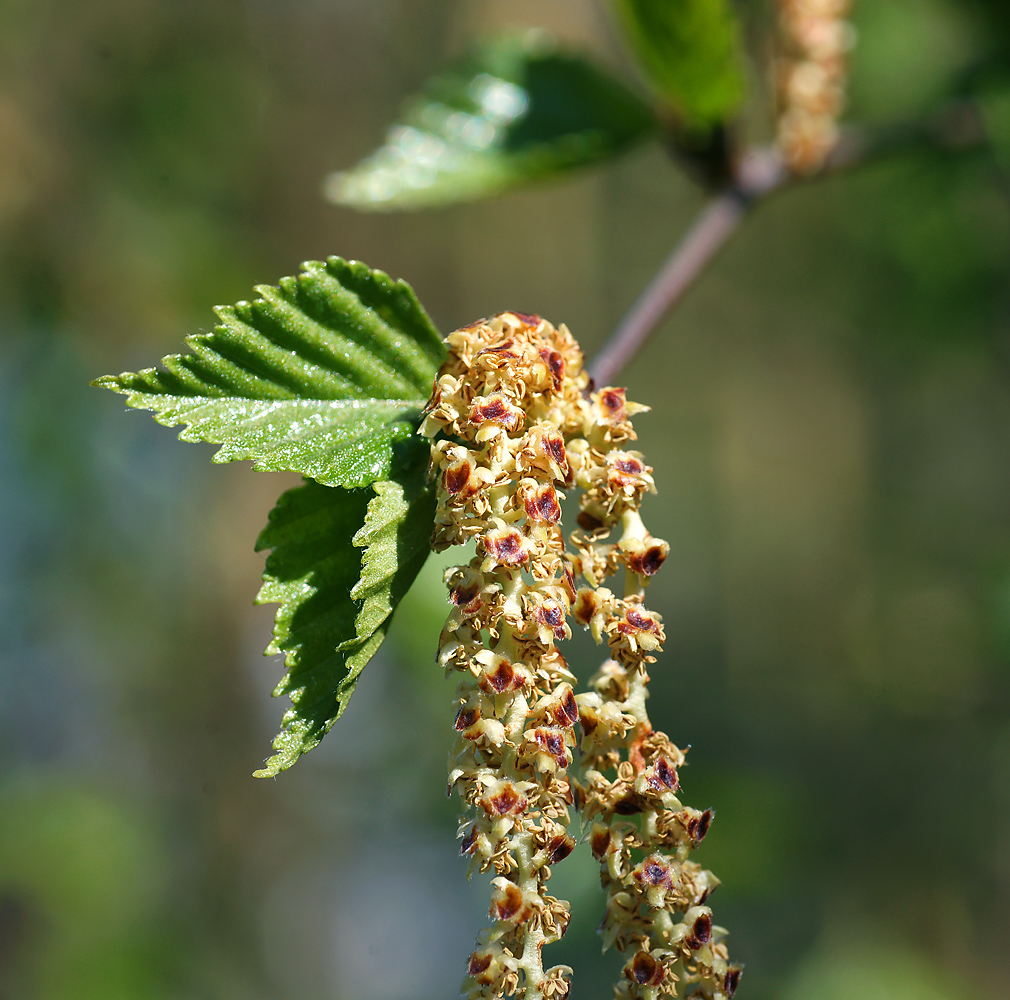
x,y
516,111
690,51
993,102
335,602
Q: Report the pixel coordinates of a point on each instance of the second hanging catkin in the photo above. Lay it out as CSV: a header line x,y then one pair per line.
x,y
639,830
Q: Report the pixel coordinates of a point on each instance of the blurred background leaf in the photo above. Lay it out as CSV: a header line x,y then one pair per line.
x,y
854,964
514,112
994,105
82,871
690,52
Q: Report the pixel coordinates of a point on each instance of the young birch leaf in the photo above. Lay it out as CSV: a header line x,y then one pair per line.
x,y
322,374
310,574
690,51
341,561
395,538
517,111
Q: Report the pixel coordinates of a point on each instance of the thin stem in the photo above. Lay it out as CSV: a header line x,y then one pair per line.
x,y
761,171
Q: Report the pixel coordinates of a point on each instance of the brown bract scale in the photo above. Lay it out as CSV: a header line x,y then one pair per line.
x,y
543,451
504,546
559,848
643,556
539,501
645,970
496,409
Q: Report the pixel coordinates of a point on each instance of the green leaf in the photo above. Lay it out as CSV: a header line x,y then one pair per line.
x,y
993,102
516,111
336,601
323,374
690,51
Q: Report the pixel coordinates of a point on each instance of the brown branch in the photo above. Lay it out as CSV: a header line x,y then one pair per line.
x,y
761,171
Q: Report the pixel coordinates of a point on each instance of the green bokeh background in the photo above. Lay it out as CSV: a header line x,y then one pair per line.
x,y
831,437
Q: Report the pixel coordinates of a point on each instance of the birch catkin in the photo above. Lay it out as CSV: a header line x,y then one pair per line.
x,y
512,423
507,397
815,39
639,830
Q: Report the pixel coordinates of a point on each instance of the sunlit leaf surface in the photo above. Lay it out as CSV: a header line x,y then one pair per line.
x,y
323,374
517,111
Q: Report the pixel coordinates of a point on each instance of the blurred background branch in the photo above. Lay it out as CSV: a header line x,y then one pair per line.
x,y
956,126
